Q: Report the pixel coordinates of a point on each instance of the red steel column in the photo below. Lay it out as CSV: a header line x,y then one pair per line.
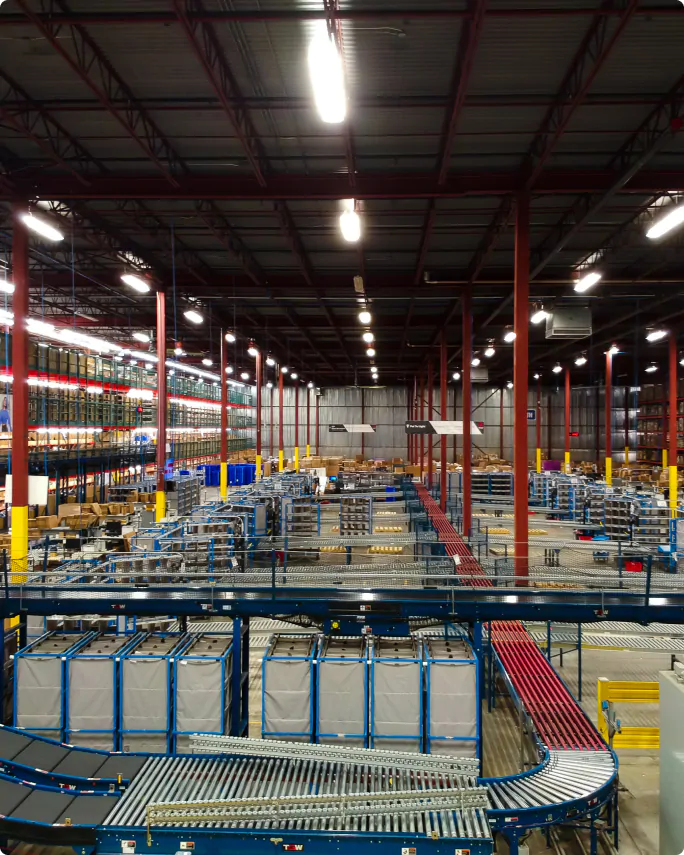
x,y
308,422
363,419
161,405
414,415
409,437
281,378
20,463
501,423
270,427
520,370
467,412
259,384
674,436
431,384
609,417
223,489
539,460
318,400
295,391
443,416
422,416
567,420
455,446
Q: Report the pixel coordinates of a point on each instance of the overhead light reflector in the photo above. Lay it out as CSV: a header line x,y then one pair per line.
x,y
509,336
365,317
557,368
587,282
370,352
327,76
40,227
656,335
456,375
7,287
141,336
135,282
193,316
667,223
651,368
350,225
539,316
581,360
208,362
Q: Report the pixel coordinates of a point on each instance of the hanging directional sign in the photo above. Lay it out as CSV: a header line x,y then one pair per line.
x,y
532,416
342,428
441,428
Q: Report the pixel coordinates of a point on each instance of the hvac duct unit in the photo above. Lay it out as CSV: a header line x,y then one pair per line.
x,y
479,375
569,322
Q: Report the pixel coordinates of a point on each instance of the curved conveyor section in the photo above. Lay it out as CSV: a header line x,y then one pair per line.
x,y
577,774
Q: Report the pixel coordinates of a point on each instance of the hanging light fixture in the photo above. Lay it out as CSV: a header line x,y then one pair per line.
x,y
244,375
270,361
651,368
365,317
294,375
581,360
229,369
269,385
350,222
7,287
327,76
456,375
252,350
368,337
557,368
614,349
370,352
538,315
509,385
41,227
489,352
309,385
193,316
475,361
135,282
208,362
230,337
509,335
655,334
588,281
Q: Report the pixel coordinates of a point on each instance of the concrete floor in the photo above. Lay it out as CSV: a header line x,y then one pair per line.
x,y
639,770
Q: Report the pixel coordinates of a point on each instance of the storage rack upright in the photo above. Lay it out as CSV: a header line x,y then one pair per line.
x,y
618,510
356,515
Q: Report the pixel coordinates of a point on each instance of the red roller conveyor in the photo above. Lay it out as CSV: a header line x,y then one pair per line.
x,y
559,720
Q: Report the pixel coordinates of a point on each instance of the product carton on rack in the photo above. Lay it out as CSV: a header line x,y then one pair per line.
x,y
47,522
68,510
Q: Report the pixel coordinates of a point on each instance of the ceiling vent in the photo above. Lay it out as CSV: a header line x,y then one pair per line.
x,y
569,322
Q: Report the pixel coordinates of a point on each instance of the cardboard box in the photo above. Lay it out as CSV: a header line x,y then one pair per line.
x,y
413,471
47,522
332,469
68,510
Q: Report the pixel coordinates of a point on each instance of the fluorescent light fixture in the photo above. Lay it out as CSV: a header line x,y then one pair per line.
x,y
118,358
368,337
539,316
309,385
509,385
509,336
370,352
651,368
244,375
252,351
476,361
270,361
141,336
489,352
456,375
7,287
135,282
40,327
269,385
365,317
327,76
557,368
193,316
208,362
587,282
294,375
40,227
656,335
581,360
230,337
667,223
350,226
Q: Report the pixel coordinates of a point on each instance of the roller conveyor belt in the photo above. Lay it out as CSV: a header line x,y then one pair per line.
x,y
577,768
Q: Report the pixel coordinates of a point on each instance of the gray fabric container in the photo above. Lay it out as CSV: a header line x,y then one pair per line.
x,y
40,684
452,701
146,693
287,675
202,693
396,694
92,683
342,691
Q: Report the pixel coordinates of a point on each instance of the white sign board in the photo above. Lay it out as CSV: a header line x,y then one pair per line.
x,y
38,490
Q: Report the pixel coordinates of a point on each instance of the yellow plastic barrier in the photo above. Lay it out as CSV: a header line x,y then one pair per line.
x,y
628,692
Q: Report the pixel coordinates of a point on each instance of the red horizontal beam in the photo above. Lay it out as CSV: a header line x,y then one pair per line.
x,y
163,17
368,186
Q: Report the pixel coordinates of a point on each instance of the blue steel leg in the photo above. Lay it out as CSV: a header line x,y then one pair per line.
x,y
616,816
593,837
490,675
548,640
236,680
512,843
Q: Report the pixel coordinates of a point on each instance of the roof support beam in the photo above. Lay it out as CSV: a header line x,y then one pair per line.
x,y
465,58
596,47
